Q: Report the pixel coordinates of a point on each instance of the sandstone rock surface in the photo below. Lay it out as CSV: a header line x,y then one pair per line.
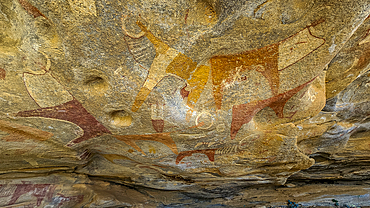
x,y
184,103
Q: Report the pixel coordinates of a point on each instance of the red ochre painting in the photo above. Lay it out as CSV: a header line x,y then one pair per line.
x,y
147,102
74,112
223,68
269,61
42,192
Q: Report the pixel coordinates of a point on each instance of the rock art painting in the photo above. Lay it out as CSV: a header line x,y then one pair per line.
x,y
188,96
33,193
74,112
167,62
40,191
242,114
31,10
19,132
164,138
268,61
209,152
45,90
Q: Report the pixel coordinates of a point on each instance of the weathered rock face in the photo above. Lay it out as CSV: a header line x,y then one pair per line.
x,y
210,99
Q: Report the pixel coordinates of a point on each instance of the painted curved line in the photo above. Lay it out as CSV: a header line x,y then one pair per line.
x,y
198,117
28,92
309,31
125,31
48,62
